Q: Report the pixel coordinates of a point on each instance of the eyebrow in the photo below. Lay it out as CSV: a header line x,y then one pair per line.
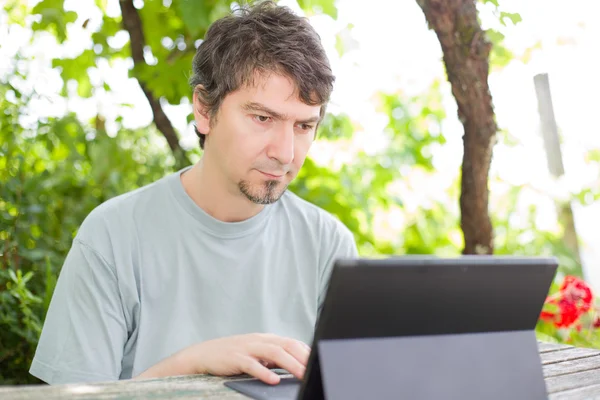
x,y
254,106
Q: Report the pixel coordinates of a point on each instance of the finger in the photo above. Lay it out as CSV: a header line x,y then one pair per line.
x,y
268,364
255,368
299,350
276,354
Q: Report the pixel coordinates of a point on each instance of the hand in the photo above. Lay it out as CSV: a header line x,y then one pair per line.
x,y
252,354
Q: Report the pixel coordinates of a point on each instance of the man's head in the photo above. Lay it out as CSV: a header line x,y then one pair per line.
x,y
261,83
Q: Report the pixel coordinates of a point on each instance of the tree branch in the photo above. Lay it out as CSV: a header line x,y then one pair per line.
x,y
133,25
466,55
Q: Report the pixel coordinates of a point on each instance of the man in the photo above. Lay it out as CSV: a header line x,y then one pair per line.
x,y
215,269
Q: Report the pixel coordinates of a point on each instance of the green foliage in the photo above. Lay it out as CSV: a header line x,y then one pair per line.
x,y
344,41
412,135
16,11
54,18
51,176
334,127
197,16
77,69
591,194
500,55
110,27
194,15
319,7
512,17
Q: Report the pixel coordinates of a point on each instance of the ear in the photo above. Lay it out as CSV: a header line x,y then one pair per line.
x,y
201,114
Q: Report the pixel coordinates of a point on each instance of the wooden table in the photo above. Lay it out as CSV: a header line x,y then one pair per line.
x,y
570,373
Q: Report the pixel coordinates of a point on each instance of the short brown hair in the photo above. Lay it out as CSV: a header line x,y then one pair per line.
x,y
263,38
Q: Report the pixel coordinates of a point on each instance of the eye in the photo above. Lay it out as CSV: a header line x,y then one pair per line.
x,y
262,118
306,127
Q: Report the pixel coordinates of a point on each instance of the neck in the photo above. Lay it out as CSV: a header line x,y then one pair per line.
x,y
211,193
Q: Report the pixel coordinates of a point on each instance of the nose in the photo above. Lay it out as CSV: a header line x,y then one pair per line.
x,y
281,147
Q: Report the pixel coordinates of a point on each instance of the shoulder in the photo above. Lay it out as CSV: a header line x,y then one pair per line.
x,y
125,205
115,219
328,236
314,217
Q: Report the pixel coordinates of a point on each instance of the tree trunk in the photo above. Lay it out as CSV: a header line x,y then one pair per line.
x,y
466,54
132,23
556,167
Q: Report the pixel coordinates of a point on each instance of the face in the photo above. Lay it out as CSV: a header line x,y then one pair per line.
x,y
260,137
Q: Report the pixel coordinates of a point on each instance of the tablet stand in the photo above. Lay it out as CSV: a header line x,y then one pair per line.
x,y
493,365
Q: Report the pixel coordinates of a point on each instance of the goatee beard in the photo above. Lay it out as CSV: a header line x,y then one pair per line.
x,y
269,196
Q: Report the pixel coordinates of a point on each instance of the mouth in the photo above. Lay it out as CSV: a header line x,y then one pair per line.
x,y
272,176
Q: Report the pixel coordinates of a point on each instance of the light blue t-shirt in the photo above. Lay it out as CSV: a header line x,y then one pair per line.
x,y
150,273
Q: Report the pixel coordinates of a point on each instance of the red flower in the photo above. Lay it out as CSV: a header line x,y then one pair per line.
x,y
547,316
568,314
577,291
597,322
573,299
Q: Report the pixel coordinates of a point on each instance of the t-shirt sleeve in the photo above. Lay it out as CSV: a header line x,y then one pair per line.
x,y
341,245
85,331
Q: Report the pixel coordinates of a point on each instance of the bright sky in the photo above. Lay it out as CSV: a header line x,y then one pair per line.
x,y
395,51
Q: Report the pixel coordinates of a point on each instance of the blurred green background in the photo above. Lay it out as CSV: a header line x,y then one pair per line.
x,y
58,162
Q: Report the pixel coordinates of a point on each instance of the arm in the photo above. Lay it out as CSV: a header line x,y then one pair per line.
x,y
85,330
340,245
180,363
252,354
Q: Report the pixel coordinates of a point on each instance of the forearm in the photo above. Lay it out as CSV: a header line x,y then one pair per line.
x,y
180,363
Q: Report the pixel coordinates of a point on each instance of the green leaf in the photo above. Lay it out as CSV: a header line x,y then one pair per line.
x,y
54,18
13,276
344,40
195,15
593,155
34,255
494,36
102,4
339,44
77,69
159,21
494,2
335,127
84,86
110,27
500,56
16,11
50,284
27,277
515,18
168,80
319,7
